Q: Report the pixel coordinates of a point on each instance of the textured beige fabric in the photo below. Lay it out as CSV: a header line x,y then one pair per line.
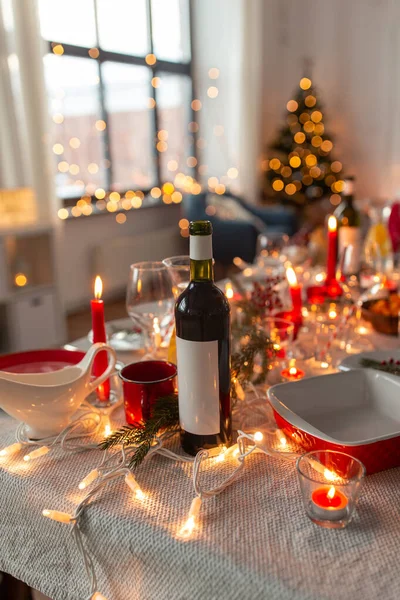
x,y
255,540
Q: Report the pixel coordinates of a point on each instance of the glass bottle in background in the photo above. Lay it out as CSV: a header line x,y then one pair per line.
x,y
349,229
378,252
202,320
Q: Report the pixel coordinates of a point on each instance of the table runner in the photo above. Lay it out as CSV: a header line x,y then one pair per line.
x,y
255,540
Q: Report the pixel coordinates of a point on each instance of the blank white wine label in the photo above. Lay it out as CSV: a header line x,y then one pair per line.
x,y
200,247
198,386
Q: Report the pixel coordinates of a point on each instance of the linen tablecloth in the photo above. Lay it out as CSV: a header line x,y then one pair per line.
x,y
254,541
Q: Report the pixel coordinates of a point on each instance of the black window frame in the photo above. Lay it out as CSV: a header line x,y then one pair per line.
x,y
157,69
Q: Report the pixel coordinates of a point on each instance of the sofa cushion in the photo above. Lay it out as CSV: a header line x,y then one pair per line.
x,y
228,209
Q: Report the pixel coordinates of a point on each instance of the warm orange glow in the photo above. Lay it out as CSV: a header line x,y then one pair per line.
x,y
291,276
316,116
290,189
326,146
100,125
258,436
292,371
295,162
299,137
20,280
58,49
311,160
332,223
151,59
98,288
212,91
274,163
292,105
196,105
228,290
156,82
331,492
94,53
310,101
336,166
305,83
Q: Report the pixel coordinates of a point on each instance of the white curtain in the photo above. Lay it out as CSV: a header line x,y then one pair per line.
x,y
25,159
227,35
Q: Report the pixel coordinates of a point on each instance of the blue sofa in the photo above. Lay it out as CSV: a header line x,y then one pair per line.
x,y
238,238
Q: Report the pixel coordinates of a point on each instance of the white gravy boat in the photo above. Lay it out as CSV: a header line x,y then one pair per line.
x,y
47,401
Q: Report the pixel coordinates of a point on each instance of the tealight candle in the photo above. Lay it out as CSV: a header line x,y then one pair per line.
x,y
328,503
292,374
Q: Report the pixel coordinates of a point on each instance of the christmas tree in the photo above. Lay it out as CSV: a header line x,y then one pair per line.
x,y
301,168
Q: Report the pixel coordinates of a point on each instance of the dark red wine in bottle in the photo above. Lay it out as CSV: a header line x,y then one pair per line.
x,y
202,316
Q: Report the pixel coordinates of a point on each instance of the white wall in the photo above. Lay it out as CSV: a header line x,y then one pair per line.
x,y
78,238
355,49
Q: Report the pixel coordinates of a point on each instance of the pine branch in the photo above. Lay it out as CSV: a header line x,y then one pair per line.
x,y
385,366
165,413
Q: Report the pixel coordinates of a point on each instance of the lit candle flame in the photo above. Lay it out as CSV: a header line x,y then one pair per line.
x,y
293,371
332,223
291,276
331,492
98,288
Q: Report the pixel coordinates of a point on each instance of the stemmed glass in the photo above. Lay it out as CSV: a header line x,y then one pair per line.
x,y
150,301
179,269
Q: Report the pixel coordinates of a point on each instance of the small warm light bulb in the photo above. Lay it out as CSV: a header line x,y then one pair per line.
x,y
283,441
88,479
332,314
134,486
258,436
319,277
331,492
221,456
98,596
37,453
332,223
324,365
291,276
56,515
188,527
107,430
292,371
98,288
11,449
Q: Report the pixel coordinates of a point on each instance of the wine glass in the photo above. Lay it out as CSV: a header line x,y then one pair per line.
x,y
179,269
150,301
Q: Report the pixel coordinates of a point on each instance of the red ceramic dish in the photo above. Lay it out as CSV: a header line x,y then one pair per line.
x,y
40,361
356,412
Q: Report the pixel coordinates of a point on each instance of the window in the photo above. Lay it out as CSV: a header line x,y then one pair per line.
x,y
118,76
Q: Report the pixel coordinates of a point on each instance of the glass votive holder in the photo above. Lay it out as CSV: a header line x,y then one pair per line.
x,y
330,485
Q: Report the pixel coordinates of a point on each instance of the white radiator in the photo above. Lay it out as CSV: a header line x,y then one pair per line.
x,y
112,259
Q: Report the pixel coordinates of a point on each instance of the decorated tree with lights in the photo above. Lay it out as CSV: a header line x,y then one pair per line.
x,y
300,168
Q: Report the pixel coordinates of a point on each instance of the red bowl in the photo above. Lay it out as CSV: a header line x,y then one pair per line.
x,y
355,412
40,361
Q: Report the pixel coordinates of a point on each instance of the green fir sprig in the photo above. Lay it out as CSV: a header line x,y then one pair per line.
x,y
389,366
255,346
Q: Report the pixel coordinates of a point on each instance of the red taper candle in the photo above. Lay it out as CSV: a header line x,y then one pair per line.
x,y
295,290
332,250
99,335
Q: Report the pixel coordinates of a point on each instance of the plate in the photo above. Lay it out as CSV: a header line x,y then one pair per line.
x,y
354,361
122,335
40,361
356,412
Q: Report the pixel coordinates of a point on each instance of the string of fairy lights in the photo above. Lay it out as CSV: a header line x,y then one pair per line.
x,y
96,199
301,168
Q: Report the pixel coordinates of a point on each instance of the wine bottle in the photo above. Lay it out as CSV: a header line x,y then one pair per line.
x,y
202,318
349,229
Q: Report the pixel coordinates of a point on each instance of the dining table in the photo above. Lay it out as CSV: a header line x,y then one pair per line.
x,y
254,541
